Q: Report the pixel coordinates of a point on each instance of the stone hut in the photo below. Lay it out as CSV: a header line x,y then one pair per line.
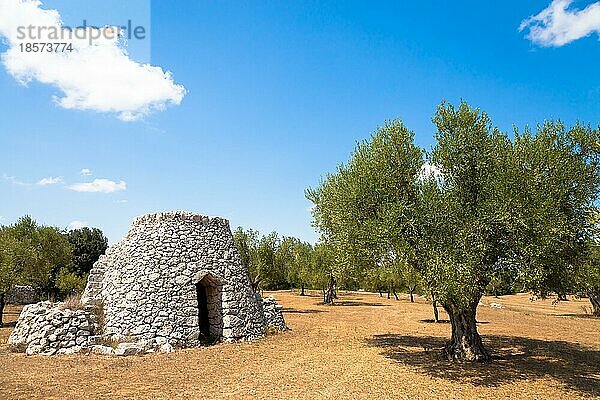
x,y
176,277
175,280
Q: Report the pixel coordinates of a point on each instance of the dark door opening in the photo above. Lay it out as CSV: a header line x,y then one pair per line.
x,y
203,321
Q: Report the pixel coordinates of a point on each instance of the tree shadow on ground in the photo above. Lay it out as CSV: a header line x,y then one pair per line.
x,y
350,303
432,321
588,316
513,359
296,311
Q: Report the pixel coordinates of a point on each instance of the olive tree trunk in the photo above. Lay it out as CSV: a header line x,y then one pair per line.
x,y
411,289
436,315
330,295
595,300
302,290
465,344
1,309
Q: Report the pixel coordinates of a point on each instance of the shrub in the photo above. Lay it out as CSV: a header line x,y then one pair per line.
x,y
72,302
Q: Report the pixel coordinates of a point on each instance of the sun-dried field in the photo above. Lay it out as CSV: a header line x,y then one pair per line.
x,y
363,347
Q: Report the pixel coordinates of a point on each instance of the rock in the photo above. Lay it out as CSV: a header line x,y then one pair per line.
x,y
103,350
160,340
128,349
166,348
496,305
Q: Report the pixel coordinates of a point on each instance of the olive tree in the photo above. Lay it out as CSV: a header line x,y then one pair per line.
x,y
297,262
38,253
493,203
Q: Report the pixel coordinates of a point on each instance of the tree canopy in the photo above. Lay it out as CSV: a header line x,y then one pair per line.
x,y
478,205
44,258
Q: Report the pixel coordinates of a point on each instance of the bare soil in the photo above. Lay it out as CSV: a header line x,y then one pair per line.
x,y
363,347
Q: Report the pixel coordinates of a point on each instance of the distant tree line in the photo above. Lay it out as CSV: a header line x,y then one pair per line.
x,y
53,261
275,262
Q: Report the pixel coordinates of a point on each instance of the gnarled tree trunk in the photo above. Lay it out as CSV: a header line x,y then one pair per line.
x,y
330,295
465,344
1,309
595,300
412,293
302,290
562,297
256,283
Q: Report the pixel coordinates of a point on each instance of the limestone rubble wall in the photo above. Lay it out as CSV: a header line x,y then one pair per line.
x,y
21,294
48,329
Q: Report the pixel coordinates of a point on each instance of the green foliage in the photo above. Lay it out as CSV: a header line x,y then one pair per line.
x,y
498,209
463,219
88,245
277,263
247,244
69,282
271,263
265,264
10,273
38,253
298,260
557,180
362,210
322,265
48,259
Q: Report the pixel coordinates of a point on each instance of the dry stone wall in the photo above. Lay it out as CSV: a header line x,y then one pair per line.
x,y
273,315
21,294
48,329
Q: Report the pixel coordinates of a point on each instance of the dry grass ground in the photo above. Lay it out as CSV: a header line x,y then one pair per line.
x,y
363,347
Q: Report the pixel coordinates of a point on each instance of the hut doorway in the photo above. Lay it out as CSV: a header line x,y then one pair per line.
x,y
203,319
210,313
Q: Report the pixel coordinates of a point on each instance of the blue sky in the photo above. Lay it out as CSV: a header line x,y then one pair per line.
x,y
276,94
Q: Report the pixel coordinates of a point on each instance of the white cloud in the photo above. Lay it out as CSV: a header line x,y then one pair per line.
x,y
99,186
77,224
557,26
86,172
50,180
98,77
123,201
14,180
